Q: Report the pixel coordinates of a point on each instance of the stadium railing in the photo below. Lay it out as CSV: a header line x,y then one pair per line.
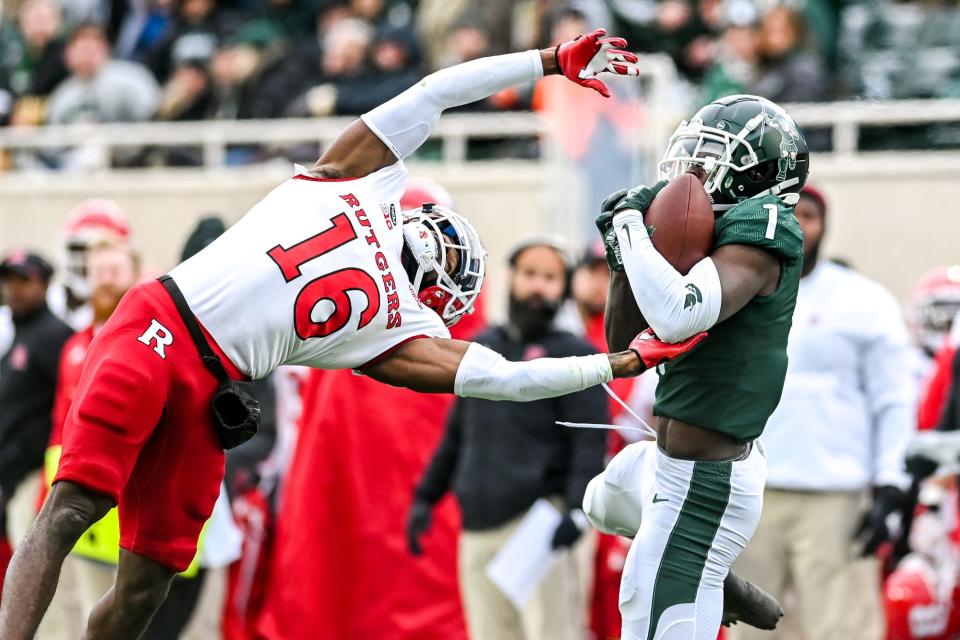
x,y
658,88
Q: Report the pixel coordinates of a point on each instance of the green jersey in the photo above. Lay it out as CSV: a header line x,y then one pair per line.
x,y
732,381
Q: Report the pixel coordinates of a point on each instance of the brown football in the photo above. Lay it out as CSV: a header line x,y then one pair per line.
x,y
680,222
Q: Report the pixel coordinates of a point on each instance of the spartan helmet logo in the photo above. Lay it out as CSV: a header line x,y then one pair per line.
x,y
788,144
788,157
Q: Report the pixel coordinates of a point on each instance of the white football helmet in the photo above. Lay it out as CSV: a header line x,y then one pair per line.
x,y
444,260
933,304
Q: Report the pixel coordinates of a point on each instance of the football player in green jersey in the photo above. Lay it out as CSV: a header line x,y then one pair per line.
x,y
699,487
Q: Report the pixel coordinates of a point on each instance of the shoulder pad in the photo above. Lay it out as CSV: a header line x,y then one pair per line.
x,y
764,222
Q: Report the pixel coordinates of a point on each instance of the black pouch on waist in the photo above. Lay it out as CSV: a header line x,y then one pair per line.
x,y
236,412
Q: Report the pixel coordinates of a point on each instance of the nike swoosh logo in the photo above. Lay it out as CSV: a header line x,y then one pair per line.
x,y
626,230
656,499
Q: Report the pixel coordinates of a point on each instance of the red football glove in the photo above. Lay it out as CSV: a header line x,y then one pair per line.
x,y
652,351
582,59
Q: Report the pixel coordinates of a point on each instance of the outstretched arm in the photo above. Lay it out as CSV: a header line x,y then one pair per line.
x,y
397,128
438,365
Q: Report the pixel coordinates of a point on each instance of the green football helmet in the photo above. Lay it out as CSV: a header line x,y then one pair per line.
x,y
747,145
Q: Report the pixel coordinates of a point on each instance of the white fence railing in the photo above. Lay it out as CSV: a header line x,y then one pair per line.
x,y
455,131
845,119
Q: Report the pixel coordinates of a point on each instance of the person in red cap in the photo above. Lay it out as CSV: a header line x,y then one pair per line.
x,y
28,374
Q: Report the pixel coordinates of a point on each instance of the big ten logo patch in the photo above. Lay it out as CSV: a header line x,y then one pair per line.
x,y
389,214
157,336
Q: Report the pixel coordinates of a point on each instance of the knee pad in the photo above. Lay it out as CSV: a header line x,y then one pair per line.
x,y
73,510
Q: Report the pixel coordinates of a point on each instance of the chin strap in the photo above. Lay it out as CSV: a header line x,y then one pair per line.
x,y
434,297
788,198
776,189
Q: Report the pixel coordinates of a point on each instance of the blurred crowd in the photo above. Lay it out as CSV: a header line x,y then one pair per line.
x,y
67,61
348,490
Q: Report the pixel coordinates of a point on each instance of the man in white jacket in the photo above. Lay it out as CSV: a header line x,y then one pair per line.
x,y
835,448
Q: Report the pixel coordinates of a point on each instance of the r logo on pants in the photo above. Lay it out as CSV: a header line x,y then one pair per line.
x,y
159,335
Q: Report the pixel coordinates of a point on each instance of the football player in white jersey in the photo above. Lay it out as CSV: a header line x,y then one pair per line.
x,y
324,272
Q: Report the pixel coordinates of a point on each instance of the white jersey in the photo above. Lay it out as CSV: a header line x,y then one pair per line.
x,y
311,275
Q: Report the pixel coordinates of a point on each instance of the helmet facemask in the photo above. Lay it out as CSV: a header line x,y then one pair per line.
x,y
444,260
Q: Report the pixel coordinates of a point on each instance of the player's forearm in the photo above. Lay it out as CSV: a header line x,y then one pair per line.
x,y
483,373
405,122
676,306
622,319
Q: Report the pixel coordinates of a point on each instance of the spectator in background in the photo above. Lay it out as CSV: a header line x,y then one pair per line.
x,y
32,59
790,70
467,41
139,27
89,223
288,17
932,307
433,21
353,85
199,28
737,60
371,11
772,59
100,89
835,448
668,26
395,62
28,374
238,68
934,303
436,20
187,94
499,458
343,63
